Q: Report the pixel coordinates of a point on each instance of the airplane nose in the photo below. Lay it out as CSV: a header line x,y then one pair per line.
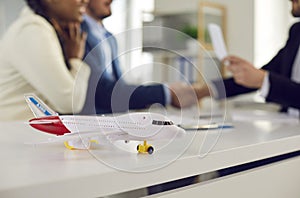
x,y
50,124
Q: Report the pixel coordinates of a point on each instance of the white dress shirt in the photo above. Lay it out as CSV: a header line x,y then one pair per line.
x,y
100,32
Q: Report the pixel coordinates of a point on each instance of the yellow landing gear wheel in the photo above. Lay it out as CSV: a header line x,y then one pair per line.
x,y
68,146
145,148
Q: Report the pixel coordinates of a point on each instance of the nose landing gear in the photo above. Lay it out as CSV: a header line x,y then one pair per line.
x,y
145,148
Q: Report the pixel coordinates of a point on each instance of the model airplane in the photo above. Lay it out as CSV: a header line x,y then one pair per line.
x,y
77,132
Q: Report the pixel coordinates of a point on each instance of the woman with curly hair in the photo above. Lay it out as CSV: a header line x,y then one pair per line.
x,y
42,53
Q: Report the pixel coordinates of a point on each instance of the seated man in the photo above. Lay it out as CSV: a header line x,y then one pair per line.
x,y
107,90
278,81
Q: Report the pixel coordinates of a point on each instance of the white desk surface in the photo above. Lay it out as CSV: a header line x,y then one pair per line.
x,y
53,171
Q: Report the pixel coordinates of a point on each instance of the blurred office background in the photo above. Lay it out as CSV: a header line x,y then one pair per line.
x,y
255,30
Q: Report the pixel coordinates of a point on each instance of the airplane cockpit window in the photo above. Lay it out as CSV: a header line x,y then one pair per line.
x,y
157,122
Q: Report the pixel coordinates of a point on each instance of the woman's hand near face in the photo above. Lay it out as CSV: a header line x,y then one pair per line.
x,y
73,39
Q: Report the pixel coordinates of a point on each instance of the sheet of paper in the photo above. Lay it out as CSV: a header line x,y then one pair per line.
x,y
217,39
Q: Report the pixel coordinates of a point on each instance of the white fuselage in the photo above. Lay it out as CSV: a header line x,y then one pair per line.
x,y
133,125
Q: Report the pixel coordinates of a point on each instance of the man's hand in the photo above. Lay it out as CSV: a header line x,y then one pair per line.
x,y
201,90
244,73
182,95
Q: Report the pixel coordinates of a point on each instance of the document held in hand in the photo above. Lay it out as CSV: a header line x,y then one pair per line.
x,y
217,39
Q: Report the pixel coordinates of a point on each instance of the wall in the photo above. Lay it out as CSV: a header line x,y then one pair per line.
x,y
240,27
272,22
240,22
9,11
256,30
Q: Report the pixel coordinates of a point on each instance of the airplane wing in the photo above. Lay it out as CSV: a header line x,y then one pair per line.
x,y
123,136
87,135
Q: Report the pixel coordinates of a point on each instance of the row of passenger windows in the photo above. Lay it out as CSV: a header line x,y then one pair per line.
x,y
154,122
95,123
105,126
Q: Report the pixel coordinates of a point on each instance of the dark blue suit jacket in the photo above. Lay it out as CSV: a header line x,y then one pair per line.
x,y
282,89
106,94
